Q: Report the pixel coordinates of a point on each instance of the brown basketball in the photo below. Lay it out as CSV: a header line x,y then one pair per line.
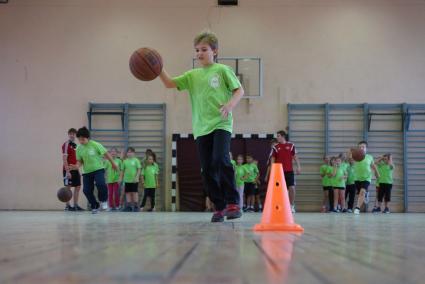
x,y
64,194
145,64
357,154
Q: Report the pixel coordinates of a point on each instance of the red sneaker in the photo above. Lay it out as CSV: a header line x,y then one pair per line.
x,y
232,211
218,216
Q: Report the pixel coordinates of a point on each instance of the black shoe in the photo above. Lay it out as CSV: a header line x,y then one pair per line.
x,y
127,209
217,217
78,208
386,210
376,210
66,207
344,210
70,208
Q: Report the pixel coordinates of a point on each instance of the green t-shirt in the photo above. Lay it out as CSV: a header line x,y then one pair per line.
x,y
240,172
112,175
351,177
325,170
251,171
149,173
209,88
338,180
385,173
130,167
91,154
363,170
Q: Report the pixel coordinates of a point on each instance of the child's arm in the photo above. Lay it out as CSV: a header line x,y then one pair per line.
x,y
375,169
157,181
138,176
167,80
297,161
390,161
111,160
266,177
227,108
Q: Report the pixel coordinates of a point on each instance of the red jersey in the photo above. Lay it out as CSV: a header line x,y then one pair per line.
x,y
68,149
284,154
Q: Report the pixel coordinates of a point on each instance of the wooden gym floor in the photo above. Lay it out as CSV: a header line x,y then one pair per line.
x,y
69,247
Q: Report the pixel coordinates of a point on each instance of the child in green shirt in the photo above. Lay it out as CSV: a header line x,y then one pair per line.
x,y
130,173
214,91
363,172
385,168
250,178
325,172
90,156
338,178
150,181
112,178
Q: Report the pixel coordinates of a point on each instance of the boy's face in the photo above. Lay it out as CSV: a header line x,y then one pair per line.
x,y
363,147
113,153
204,53
249,159
280,138
130,154
150,160
83,140
71,136
240,160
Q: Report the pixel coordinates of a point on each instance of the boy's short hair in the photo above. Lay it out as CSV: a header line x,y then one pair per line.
x,y
283,134
207,37
83,132
131,149
362,142
72,130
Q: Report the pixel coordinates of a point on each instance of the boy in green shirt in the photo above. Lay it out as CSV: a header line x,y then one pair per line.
x,y
112,180
90,156
130,174
250,179
214,91
150,181
363,172
385,168
325,172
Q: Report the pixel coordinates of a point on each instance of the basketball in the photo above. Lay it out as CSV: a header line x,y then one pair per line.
x,y
357,154
145,64
64,194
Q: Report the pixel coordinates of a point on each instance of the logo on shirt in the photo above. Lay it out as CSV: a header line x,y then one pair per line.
x,y
92,152
215,81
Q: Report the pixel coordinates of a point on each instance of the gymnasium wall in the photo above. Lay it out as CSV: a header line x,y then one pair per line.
x,y
58,55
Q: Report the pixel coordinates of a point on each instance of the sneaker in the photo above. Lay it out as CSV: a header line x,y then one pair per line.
x,y
344,210
250,209
217,217
66,207
349,211
135,209
376,210
94,211
232,211
142,209
293,209
70,208
334,211
104,205
386,210
357,211
78,208
127,209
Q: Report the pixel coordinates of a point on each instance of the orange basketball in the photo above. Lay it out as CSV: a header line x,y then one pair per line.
x,y
64,194
145,64
357,154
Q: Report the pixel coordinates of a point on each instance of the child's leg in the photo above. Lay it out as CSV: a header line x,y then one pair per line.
x,y
361,197
342,199
351,196
76,195
145,195
128,198
152,196
102,190
88,182
122,196
240,192
223,168
325,197
331,198
336,198
116,194
376,197
205,146
110,194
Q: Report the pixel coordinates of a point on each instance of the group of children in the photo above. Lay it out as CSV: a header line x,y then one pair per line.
x,y
343,178
110,173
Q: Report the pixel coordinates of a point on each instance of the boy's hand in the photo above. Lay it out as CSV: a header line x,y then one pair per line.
x,y
115,167
225,110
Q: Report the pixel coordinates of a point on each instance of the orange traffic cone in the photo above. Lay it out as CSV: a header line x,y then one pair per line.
x,y
277,215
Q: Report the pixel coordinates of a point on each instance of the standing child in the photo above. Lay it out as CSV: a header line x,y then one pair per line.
x,y
350,188
385,168
112,179
150,182
325,171
339,176
89,155
130,174
250,179
239,174
363,173
214,91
